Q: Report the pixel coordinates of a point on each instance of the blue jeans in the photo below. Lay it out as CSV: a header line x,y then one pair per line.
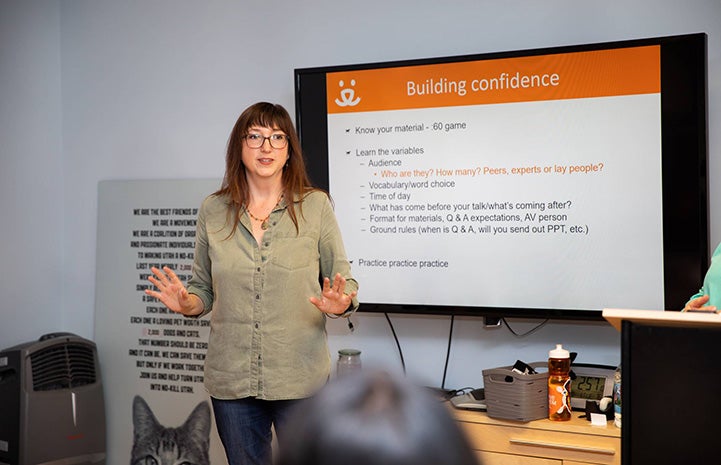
x,y
244,427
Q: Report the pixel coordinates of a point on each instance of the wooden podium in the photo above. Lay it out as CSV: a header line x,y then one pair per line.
x,y
661,318
671,374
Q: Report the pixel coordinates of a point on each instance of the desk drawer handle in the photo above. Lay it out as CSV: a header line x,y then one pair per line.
x,y
595,450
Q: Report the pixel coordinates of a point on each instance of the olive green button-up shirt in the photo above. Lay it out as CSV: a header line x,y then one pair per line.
x,y
266,339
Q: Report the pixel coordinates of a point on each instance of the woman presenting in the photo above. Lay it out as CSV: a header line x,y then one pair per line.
x,y
708,298
271,266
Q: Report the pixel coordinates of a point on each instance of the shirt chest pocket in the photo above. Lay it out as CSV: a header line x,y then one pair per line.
x,y
295,253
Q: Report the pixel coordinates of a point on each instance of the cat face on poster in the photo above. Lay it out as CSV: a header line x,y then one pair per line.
x,y
156,444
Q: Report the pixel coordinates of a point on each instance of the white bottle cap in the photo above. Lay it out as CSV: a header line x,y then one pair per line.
x,y
559,352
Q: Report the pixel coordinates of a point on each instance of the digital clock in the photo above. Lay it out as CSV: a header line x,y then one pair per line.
x,y
592,382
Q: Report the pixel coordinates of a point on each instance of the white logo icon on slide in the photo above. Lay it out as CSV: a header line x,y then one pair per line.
x,y
347,95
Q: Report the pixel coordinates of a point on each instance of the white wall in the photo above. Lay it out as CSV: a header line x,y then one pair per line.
x,y
32,207
107,89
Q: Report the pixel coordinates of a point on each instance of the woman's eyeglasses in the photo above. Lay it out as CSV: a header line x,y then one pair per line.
x,y
256,141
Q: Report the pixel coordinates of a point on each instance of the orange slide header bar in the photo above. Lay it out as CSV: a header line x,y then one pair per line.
x,y
602,73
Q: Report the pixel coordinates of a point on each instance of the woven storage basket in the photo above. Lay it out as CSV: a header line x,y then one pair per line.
x,y
516,396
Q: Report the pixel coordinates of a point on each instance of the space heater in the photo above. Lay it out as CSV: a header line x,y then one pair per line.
x,y
52,409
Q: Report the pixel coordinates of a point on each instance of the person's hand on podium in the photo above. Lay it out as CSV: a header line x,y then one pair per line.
x,y
699,305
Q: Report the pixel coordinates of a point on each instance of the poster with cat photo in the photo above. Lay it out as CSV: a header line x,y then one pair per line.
x,y
151,360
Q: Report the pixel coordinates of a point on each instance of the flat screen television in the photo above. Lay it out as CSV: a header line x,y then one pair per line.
x,y
544,183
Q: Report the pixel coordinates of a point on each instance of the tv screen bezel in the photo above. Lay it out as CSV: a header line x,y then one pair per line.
x,y
684,142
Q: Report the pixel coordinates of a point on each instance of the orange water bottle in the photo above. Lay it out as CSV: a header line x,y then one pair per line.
x,y
559,384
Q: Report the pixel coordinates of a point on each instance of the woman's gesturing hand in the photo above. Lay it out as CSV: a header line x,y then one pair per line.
x,y
333,299
172,292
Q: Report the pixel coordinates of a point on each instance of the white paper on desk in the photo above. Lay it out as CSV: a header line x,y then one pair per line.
x,y
598,419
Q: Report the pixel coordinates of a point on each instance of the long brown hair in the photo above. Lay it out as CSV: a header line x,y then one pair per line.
x,y
296,183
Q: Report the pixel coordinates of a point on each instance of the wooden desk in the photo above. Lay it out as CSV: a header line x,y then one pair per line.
x,y
541,442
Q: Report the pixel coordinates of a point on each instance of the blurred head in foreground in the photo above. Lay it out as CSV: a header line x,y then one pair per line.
x,y
374,418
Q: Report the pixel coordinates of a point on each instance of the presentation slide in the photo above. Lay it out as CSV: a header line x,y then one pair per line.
x,y
528,182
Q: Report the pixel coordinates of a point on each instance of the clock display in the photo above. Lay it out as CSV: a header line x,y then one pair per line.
x,y
592,382
588,387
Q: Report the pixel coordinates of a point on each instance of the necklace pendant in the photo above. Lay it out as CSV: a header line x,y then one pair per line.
x,y
264,225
